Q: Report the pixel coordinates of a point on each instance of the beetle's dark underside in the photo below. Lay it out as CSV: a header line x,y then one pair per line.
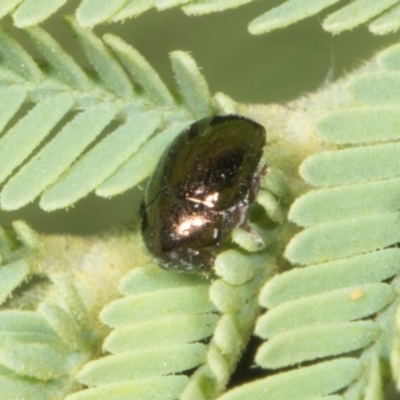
x,y
201,190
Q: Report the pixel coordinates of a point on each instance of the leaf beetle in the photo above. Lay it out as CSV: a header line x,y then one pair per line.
x,y
201,190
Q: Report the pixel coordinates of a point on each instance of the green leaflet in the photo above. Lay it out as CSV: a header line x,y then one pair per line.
x,y
28,238
339,305
11,276
20,338
346,202
192,84
154,305
161,332
38,361
131,365
374,388
379,88
17,247
27,134
275,181
10,102
387,23
305,383
313,342
390,57
155,388
366,124
152,278
13,388
76,306
252,241
355,14
62,64
176,298
165,4
286,14
229,266
271,206
63,324
32,12
109,70
344,238
229,298
93,12
141,71
7,6
223,104
132,8
323,278
24,321
352,165
208,6
16,58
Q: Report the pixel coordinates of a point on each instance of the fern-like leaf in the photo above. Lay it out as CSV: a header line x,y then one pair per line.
x,y
154,336
49,328
343,296
160,326
17,248
126,99
40,352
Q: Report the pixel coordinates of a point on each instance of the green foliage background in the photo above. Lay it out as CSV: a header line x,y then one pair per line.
x,y
76,307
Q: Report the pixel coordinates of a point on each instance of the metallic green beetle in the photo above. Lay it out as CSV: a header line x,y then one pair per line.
x,y
201,189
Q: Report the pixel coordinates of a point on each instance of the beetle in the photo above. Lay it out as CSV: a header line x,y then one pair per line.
x,y
201,190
